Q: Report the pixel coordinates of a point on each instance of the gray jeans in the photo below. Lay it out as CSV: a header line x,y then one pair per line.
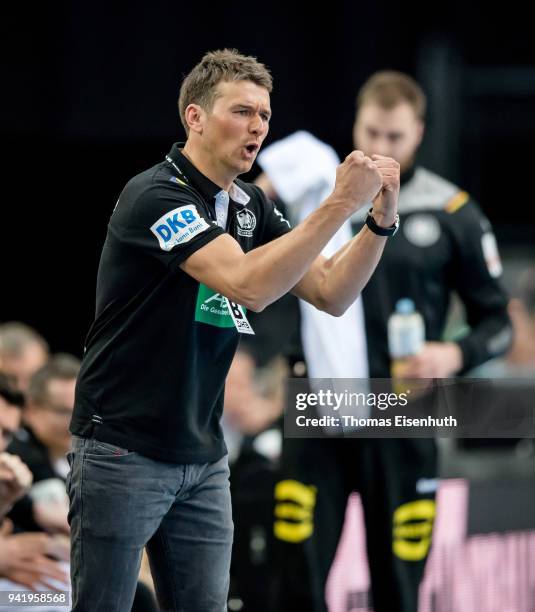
x,y
121,501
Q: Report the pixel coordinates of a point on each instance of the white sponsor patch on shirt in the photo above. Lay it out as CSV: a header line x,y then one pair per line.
x,y
238,316
490,252
178,226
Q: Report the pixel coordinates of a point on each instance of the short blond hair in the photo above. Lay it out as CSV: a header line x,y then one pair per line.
x,y
199,86
388,88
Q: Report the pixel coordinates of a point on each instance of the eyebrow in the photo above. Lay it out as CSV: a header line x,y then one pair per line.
x,y
251,107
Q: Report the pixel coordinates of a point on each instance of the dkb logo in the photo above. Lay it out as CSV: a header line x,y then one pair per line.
x,y
178,226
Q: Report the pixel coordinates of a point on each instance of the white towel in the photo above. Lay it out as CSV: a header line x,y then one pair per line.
x,y
303,172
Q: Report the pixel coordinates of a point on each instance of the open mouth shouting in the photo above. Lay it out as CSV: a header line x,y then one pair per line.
x,y
250,150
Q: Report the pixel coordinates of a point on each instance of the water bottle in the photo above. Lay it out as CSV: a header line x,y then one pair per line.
x,y
406,335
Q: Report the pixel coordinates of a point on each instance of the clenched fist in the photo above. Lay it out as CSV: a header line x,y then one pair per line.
x,y
385,204
15,480
358,180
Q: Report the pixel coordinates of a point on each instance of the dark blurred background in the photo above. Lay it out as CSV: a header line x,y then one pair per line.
x,y
89,98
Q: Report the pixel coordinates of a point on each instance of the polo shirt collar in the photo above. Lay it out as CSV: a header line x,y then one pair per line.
x,y
199,181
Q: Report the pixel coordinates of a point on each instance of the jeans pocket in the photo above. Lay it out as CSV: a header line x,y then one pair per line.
x,y
105,449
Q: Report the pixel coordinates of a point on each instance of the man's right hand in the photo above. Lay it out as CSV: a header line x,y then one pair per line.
x,y
23,559
15,480
358,181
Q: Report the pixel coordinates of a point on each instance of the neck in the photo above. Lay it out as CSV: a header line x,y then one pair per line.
x,y
210,167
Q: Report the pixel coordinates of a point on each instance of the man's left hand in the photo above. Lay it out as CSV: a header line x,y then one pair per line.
x,y
435,360
385,205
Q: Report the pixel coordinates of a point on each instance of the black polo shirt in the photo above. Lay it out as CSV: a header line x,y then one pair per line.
x,y
159,350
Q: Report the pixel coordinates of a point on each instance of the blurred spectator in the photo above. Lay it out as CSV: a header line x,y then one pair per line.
x,y
15,477
48,413
22,352
520,359
254,391
24,558
254,396
47,440
253,405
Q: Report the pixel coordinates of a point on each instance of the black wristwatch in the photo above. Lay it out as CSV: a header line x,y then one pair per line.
x,y
381,231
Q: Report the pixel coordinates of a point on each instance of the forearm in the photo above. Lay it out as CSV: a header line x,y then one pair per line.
x,y
347,271
264,274
268,272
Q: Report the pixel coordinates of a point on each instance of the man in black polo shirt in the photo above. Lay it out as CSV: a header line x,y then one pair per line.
x,y
189,248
